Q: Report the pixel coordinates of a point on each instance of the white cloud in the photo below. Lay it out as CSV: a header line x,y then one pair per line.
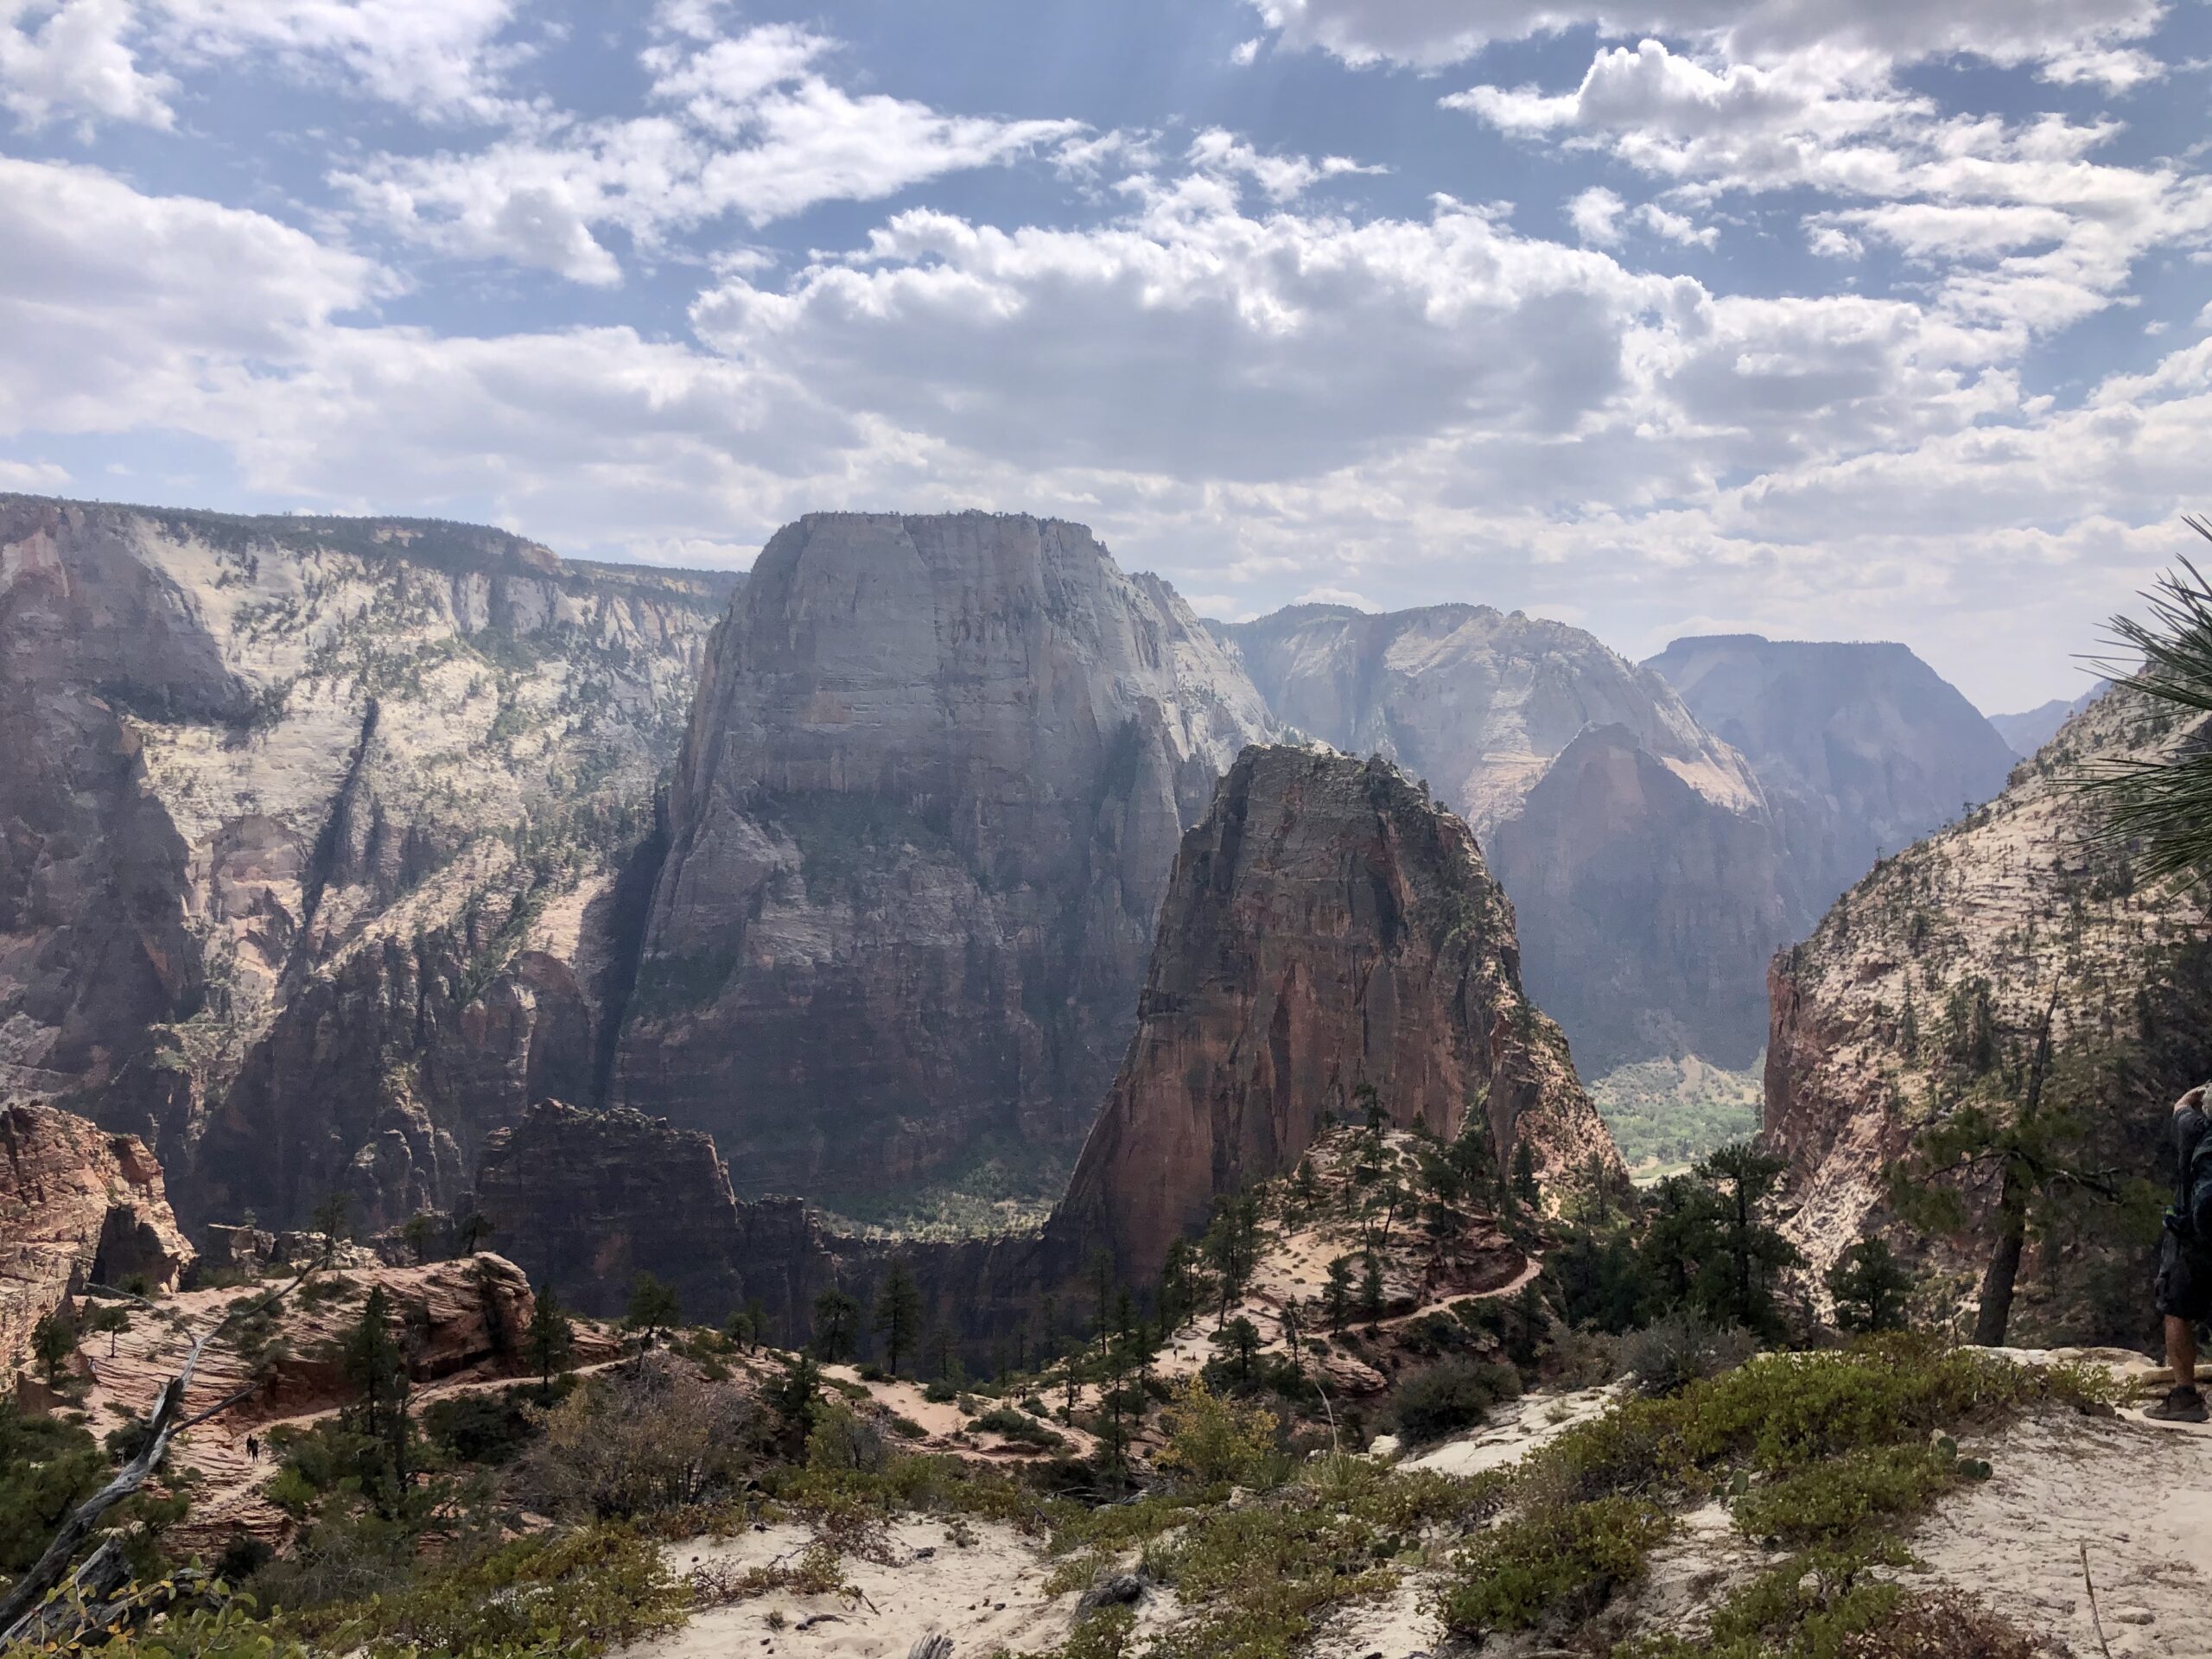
x,y
1245,52
34,477
75,58
2082,38
1676,227
752,132
1596,215
1281,177
120,308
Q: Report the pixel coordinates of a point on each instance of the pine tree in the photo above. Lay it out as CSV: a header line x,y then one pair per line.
x,y
373,1362
1524,1175
836,1326
53,1340
899,1314
1241,1338
1751,1251
550,1341
756,1322
1371,1289
1336,1297
1870,1286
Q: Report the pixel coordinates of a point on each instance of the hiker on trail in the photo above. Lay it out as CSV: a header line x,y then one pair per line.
x,y
2184,1281
252,1449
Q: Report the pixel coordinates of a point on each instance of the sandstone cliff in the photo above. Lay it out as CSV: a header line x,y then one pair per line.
x,y
78,1206
1859,749
1926,983
1644,907
1327,926
1647,887
935,776
586,1201
310,832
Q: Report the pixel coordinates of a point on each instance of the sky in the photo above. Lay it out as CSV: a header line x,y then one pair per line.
x,y
1825,319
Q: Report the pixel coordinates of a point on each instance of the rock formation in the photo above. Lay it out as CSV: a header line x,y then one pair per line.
x,y
1926,983
587,1200
78,1206
1327,926
311,833
1625,880
2028,731
920,826
1662,890
1859,749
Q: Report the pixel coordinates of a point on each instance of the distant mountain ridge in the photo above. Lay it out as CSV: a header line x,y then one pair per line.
x,y
2031,729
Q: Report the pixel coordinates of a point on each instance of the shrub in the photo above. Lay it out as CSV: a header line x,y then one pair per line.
x,y
1018,1426
1452,1394
840,1439
1215,1440
1555,1562
1829,1501
629,1443
1668,1355
487,1428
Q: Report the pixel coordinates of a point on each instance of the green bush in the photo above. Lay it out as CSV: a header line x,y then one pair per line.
x,y
1449,1395
1018,1426
1562,1562
1829,1501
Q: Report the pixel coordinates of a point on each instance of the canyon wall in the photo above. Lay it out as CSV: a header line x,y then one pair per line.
x,y
312,833
934,779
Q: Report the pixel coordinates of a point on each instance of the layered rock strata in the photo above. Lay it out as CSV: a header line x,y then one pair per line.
x,y
78,1206
1328,926
1926,984
922,818
312,831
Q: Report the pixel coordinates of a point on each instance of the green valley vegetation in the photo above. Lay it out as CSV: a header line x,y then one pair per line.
x,y
1666,1114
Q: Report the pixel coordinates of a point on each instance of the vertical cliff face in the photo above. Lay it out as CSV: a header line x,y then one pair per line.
x,y
78,1206
585,1201
1861,749
1327,926
935,777
309,832
1979,929
1623,879
1642,862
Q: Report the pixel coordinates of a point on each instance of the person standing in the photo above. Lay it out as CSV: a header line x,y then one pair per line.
x,y
2183,1286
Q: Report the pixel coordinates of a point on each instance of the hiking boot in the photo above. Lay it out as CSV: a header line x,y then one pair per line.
x,y
2180,1406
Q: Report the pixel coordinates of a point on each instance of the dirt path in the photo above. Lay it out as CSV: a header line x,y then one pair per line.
x,y
2135,1497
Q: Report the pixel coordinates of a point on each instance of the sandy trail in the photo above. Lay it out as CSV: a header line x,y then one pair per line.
x,y
986,1594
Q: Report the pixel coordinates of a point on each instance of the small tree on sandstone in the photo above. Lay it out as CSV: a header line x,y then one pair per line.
x,y
898,1315
1870,1286
836,1326
551,1339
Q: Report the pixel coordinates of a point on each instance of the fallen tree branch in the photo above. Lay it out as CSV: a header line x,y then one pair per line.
x,y
167,1421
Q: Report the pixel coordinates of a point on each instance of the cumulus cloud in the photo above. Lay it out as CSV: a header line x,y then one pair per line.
x,y
748,129
1596,215
95,60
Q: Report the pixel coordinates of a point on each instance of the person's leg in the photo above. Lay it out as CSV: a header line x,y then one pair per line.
x,y
2181,1350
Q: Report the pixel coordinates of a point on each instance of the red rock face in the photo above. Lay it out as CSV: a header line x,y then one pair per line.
x,y
1326,926
77,1206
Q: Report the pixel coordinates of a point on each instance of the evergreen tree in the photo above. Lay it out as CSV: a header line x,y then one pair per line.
x,y
54,1338
1178,1295
797,1401
1231,1244
1738,1285
550,1341
1372,1115
1241,1338
1524,1175
756,1322
899,1314
1336,1297
1683,1239
373,1364
1371,1289
112,1318
418,1231
470,1230
1871,1288
655,1308
836,1326
2038,1149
